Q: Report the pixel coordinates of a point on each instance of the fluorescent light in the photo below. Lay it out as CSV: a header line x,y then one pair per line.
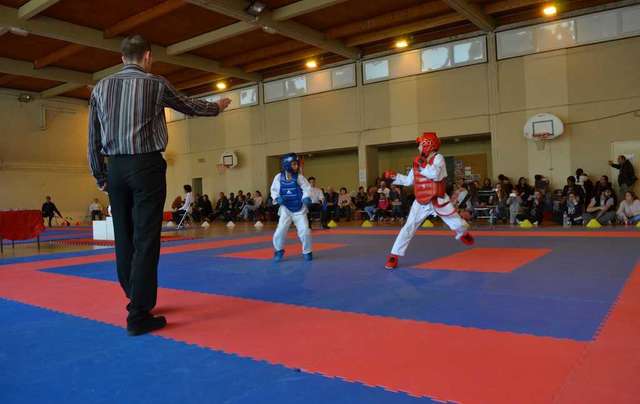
x,y
550,11
401,43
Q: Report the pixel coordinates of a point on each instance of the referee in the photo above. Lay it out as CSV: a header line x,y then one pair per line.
x,y
127,125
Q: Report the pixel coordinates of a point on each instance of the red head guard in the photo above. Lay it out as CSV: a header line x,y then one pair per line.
x,y
429,141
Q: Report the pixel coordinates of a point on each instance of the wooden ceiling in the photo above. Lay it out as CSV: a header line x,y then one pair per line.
x,y
67,45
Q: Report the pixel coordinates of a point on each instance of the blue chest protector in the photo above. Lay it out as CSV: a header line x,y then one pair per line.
x,y
291,192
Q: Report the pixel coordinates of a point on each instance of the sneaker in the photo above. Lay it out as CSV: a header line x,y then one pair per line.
x,y
278,255
392,262
308,256
467,239
147,325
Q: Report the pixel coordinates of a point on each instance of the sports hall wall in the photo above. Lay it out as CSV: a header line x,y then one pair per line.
x,y
584,86
589,87
45,155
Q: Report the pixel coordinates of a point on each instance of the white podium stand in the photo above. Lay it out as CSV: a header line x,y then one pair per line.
x,y
103,229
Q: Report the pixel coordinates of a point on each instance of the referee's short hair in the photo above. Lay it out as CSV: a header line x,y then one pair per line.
x,y
134,47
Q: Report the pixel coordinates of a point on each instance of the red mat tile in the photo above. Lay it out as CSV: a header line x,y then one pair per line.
x,y
486,259
445,362
290,250
608,373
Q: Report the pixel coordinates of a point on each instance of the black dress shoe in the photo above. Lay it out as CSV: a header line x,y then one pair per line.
x,y
147,325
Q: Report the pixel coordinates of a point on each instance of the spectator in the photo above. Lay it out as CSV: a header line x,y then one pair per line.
x,y
524,189
629,210
581,178
572,187
499,200
95,209
186,205
506,183
535,210
626,176
515,205
383,189
175,205
541,183
602,184
601,208
222,208
383,207
49,210
372,202
573,209
462,199
486,185
206,209
331,199
344,205
317,202
395,196
361,199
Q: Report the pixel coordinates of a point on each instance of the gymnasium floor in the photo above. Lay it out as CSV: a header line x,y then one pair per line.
x,y
525,316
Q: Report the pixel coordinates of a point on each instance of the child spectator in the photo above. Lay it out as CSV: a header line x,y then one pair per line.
x,y
629,210
344,205
601,208
395,196
573,209
383,207
515,204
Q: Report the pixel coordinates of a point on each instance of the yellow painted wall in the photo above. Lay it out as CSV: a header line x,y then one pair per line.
x,y
36,162
590,88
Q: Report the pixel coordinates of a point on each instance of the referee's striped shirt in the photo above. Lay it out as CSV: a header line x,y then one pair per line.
x,y
126,115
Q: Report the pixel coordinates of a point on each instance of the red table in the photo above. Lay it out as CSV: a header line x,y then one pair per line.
x,y
21,225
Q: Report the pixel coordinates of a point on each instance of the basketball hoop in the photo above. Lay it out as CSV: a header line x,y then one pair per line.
x,y
541,139
542,128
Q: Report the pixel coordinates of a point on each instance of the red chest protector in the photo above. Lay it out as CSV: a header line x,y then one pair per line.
x,y
424,188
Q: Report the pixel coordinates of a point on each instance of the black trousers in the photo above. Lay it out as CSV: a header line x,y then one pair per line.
x,y
137,190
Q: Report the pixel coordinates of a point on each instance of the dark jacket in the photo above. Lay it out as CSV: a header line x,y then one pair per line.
x,y
627,175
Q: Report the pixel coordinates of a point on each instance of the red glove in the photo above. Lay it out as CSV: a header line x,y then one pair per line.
x,y
390,175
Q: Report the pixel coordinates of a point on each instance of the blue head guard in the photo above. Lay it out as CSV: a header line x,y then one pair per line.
x,y
286,160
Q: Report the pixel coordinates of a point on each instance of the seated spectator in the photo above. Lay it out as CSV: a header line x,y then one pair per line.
x,y
486,185
383,208
206,209
271,209
601,208
258,203
331,198
602,184
175,205
572,187
506,183
535,209
629,210
344,205
318,204
361,198
541,183
383,189
515,206
241,201
186,205
372,202
95,209
573,209
248,208
222,208
524,189
397,210
499,200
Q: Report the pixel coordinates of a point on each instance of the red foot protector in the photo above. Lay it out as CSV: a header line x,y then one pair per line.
x,y
291,250
486,260
444,362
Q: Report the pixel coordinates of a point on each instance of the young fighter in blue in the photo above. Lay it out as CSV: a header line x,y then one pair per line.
x,y
290,190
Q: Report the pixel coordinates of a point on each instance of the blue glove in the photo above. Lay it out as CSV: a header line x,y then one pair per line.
x,y
306,201
279,200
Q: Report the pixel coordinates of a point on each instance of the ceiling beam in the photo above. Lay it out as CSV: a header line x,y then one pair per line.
x,y
198,81
58,55
208,38
128,24
302,7
291,29
57,90
21,68
280,60
34,7
6,79
473,13
264,52
385,20
64,31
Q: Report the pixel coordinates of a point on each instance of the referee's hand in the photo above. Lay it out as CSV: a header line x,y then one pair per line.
x,y
223,104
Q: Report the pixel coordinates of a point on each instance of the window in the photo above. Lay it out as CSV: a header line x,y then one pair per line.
x,y
310,83
591,28
435,58
376,70
240,98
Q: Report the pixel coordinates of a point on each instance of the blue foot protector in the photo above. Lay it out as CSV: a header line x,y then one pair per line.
x,y
278,255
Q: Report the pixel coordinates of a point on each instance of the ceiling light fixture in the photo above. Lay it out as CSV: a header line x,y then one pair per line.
x,y
311,64
550,10
221,85
255,8
401,43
